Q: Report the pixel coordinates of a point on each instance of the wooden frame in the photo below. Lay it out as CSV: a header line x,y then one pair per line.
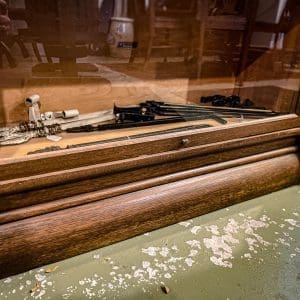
x,y
60,204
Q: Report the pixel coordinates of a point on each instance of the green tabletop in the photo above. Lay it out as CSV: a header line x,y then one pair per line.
x,y
247,251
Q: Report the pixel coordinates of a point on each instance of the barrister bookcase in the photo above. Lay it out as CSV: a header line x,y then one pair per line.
x,y
60,198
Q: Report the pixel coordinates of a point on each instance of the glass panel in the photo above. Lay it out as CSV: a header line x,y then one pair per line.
x,y
232,61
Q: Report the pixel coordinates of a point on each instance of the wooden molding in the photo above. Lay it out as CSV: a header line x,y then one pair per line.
x,y
25,191
63,203
47,238
106,153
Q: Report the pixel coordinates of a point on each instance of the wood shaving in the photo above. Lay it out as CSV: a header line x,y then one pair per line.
x,y
51,270
165,289
35,288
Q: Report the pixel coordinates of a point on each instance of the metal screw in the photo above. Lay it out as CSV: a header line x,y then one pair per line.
x,y
185,142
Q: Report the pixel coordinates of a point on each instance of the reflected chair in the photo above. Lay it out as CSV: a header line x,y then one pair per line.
x,y
5,29
288,19
66,28
167,26
234,19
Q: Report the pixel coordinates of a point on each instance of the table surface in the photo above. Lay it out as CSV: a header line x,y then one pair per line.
x,y
246,251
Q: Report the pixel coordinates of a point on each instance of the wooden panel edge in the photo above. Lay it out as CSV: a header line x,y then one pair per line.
x,y
45,239
66,159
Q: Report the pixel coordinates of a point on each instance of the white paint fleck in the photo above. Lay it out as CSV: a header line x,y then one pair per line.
x,y
28,282
194,244
145,264
138,273
8,280
168,275
164,251
213,229
174,247
189,261
152,273
247,255
185,223
40,277
220,246
195,229
40,295
162,266
96,256
93,283
220,262
81,282
291,222
150,250
193,253
231,227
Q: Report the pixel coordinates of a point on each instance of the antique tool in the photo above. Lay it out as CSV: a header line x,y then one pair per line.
x,y
33,103
132,109
133,114
124,138
49,123
112,126
230,101
169,109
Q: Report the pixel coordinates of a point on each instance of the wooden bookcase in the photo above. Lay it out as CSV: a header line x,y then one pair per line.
x,y
57,205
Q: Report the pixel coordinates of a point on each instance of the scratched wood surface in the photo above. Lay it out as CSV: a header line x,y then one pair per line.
x,y
40,240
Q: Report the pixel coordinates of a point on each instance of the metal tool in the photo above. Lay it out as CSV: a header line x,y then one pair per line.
x,y
48,123
169,109
130,137
90,128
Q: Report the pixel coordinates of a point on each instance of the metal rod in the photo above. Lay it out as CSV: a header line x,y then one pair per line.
x,y
124,138
178,119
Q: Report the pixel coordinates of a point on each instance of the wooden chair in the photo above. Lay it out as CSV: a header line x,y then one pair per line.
x,y
164,25
5,28
288,19
66,28
284,24
231,17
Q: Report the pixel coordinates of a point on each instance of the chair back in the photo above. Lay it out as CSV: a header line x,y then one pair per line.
x,y
64,21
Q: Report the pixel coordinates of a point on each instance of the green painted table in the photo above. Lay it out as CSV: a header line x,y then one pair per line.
x,y
247,251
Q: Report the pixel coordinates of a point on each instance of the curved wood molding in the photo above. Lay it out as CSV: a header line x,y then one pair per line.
x,y
32,190
55,205
47,238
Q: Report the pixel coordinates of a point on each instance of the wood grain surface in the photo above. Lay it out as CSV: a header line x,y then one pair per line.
x,y
22,192
44,239
67,159
63,203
